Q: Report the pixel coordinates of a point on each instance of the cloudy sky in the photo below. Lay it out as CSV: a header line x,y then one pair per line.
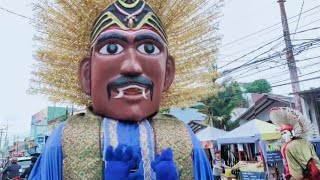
x,y
245,25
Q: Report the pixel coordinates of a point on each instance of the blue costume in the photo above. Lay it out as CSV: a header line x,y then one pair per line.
x,y
50,163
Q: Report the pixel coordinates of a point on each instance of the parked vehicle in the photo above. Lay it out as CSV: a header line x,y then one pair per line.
x,y
24,162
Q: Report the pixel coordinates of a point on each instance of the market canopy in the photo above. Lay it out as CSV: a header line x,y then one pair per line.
x,y
210,134
250,132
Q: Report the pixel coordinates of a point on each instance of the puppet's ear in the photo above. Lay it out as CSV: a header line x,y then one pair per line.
x,y
170,73
85,75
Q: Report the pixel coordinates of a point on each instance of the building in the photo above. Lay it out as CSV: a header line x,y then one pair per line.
x,y
55,122
311,106
39,125
18,149
197,125
260,105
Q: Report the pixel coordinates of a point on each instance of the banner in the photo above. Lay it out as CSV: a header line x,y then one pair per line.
x,y
317,147
274,157
253,175
273,150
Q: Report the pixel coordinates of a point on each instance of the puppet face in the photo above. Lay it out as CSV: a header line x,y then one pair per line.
x,y
127,73
286,136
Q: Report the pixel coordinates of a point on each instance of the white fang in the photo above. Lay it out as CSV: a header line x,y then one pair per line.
x,y
121,91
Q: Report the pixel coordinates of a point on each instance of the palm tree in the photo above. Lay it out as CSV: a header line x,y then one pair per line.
x,y
219,107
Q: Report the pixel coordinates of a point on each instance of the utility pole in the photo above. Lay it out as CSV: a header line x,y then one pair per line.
x,y
14,144
6,140
290,57
17,145
1,132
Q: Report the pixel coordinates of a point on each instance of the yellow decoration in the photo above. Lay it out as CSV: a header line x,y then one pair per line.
x,y
63,39
228,172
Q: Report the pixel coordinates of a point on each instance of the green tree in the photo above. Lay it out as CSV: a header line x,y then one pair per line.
x,y
164,111
218,108
258,86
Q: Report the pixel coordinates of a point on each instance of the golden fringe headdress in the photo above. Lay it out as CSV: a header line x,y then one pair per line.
x,y
289,119
64,38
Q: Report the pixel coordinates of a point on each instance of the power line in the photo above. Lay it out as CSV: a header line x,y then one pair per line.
x,y
313,72
296,81
299,18
255,45
226,56
276,66
244,37
251,52
298,49
286,71
14,13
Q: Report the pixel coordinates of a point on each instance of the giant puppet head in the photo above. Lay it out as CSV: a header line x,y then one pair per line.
x,y
128,57
291,123
129,67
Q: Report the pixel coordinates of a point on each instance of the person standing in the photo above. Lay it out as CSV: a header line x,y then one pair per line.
x,y
218,166
300,158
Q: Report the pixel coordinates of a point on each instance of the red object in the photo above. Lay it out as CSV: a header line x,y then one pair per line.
x,y
283,152
286,127
314,171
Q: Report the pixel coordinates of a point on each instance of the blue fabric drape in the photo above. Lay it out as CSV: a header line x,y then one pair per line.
x,y
49,163
201,165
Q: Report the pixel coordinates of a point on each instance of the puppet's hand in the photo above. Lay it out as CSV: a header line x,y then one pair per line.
x,y
164,166
120,162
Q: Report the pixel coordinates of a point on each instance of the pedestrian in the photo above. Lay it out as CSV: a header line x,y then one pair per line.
x,y
27,172
13,169
218,165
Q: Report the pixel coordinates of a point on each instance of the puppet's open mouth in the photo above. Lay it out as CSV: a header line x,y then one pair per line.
x,y
132,90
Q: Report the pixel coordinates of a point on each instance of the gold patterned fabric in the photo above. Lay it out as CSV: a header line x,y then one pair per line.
x,y
81,148
81,139
147,149
172,133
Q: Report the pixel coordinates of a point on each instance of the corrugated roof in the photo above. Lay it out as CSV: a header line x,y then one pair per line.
x,y
265,101
315,90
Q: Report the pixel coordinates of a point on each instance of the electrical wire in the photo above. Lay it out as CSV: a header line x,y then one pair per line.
x,y
226,56
251,52
304,80
313,72
276,66
297,50
17,14
279,23
299,18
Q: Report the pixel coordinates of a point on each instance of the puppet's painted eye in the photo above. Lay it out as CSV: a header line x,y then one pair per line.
x,y
148,48
111,49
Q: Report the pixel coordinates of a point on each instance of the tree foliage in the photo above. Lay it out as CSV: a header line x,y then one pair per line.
x,y
219,108
258,86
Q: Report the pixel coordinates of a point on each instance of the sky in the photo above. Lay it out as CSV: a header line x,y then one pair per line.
x,y
240,19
